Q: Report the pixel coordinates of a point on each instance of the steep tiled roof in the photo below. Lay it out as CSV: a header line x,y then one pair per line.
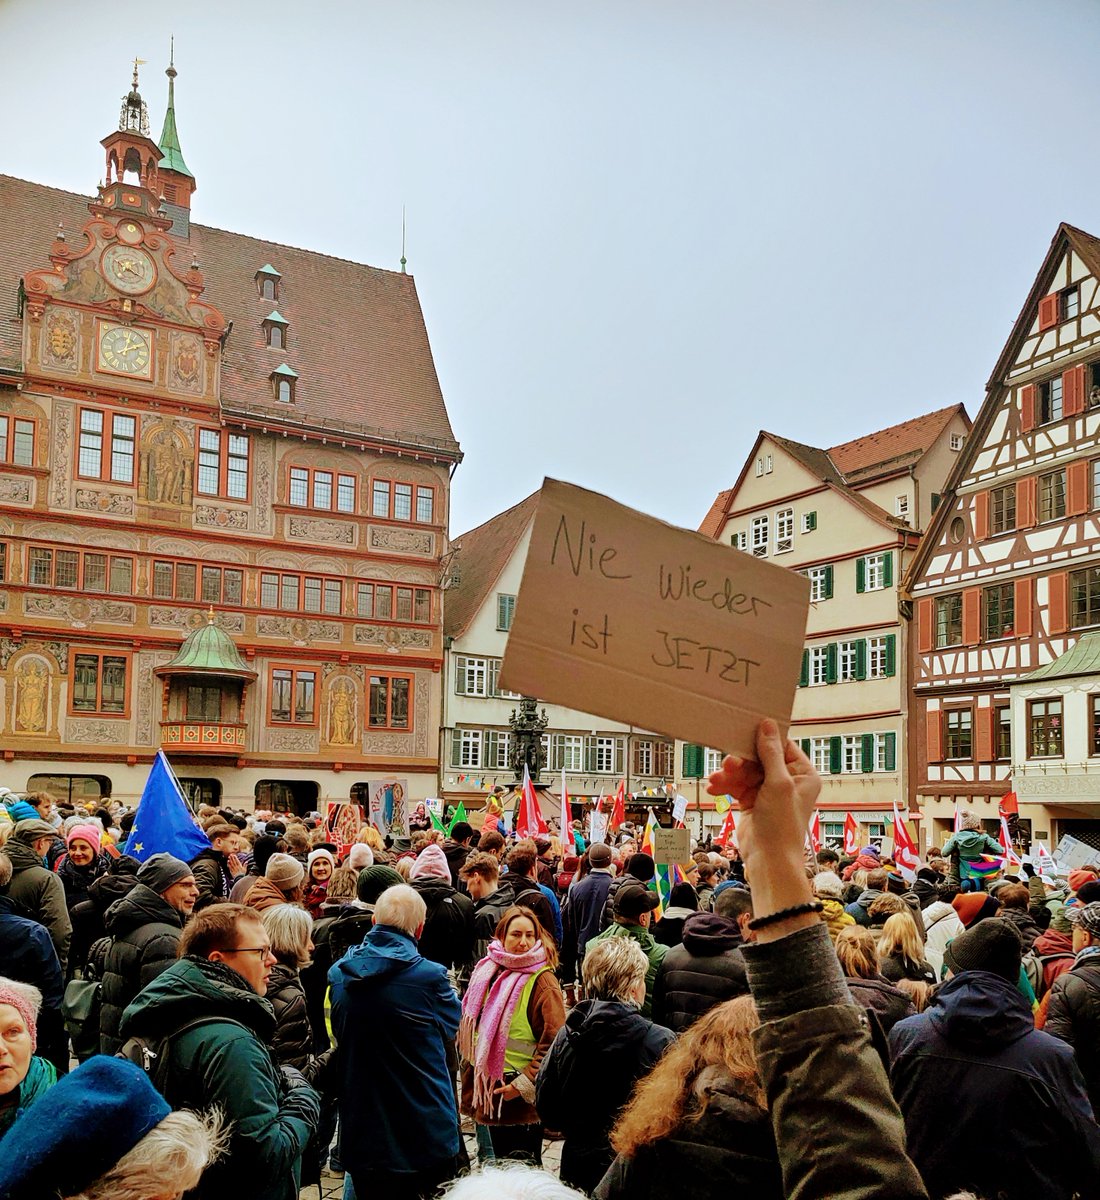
x,y
481,556
356,333
716,516
861,459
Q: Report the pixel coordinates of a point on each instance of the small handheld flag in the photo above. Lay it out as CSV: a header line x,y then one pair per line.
x,y
162,823
618,811
905,849
530,815
815,831
851,835
568,845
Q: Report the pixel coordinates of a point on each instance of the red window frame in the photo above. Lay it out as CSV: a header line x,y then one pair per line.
x,y
293,671
311,474
415,490
389,679
106,447
9,423
300,578
81,582
76,652
392,589
224,456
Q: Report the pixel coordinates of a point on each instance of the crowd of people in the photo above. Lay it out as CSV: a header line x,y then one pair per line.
x,y
421,1014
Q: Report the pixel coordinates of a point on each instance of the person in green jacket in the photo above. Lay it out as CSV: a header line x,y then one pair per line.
x,y
633,911
967,846
224,1061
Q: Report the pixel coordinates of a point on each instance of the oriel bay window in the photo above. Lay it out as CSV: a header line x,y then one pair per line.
x,y
106,448
99,684
388,706
80,569
223,464
1044,728
17,441
300,593
391,602
958,726
293,696
326,490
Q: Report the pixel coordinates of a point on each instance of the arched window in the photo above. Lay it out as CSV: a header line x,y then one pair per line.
x,y
284,390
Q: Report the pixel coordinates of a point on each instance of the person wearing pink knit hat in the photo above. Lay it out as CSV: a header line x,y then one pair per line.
x,y
448,935
82,864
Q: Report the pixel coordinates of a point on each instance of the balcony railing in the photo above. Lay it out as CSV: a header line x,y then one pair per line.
x,y
213,737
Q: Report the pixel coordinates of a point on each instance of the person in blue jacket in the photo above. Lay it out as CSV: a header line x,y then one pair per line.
x,y
393,1014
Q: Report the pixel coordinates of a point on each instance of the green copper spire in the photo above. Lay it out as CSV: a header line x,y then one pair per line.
x,y
169,138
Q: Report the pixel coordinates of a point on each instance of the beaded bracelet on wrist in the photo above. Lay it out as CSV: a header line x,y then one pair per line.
x,y
784,914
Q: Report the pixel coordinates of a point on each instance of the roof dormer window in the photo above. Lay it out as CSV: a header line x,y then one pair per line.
x,y
275,326
267,282
284,380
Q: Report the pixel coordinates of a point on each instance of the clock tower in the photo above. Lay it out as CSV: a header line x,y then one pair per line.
x,y
132,155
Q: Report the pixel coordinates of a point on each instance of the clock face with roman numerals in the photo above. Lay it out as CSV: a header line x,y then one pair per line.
x,y
125,351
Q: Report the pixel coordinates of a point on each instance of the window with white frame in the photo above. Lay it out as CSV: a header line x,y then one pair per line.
x,y
901,507
784,530
495,665
759,466
739,541
819,754
506,608
883,748
875,572
819,665
832,831
502,745
957,440
712,761
809,522
760,536
848,661
877,658
603,755
471,676
567,752
819,583
466,748
851,751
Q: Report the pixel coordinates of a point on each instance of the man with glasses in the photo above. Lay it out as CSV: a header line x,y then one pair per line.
x,y
207,1012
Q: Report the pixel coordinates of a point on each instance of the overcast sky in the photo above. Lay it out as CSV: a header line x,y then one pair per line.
x,y
640,231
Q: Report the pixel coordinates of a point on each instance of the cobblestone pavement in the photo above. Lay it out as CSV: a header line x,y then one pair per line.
x,y
332,1186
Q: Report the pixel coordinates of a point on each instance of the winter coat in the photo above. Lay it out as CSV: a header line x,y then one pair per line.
x,y
333,936
972,1073
582,918
653,951
669,930
970,845
1073,1014
263,894
292,1043
889,1004
211,873
893,967
835,916
530,895
706,969
598,1055
705,892
859,910
145,932
448,936
27,954
393,1014
89,915
941,924
1026,925
39,891
77,880
730,1148
487,914
226,1062
546,1014
456,856
1057,955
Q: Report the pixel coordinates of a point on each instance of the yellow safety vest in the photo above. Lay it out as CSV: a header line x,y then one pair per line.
x,y
520,1047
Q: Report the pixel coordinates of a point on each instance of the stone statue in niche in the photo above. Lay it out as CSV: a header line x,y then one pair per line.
x,y
167,470
32,686
341,713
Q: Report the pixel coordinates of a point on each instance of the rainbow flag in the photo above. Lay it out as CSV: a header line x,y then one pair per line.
x,y
665,877
984,868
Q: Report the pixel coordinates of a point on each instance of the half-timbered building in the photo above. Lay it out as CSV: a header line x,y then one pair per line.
x,y
850,518
224,485
1005,696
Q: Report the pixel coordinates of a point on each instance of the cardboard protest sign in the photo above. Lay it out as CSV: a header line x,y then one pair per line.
x,y
671,847
624,616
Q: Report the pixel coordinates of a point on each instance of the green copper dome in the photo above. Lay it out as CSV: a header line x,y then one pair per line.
x,y
208,650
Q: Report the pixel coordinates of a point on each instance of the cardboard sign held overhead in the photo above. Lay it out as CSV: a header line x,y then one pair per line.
x,y
671,847
626,617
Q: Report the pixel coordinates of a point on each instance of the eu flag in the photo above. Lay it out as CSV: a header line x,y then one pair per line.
x,y
163,822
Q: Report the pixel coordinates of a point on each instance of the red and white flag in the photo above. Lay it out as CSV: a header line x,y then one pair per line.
x,y
618,809
905,849
958,818
568,846
1044,863
530,815
727,835
1012,859
851,835
815,831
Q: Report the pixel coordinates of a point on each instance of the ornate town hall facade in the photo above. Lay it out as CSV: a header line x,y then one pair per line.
x,y
224,485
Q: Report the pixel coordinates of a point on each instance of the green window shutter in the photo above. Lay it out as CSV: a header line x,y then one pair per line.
x,y
456,748
861,574
888,568
693,761
891,654
828,582
804,678
891,751
830,663
861,658
867,752
805,744
835,761
460,676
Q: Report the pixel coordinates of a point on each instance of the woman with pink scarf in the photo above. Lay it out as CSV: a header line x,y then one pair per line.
x,y
510,1014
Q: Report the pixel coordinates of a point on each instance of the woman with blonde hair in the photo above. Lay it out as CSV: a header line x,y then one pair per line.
x,y
901,952
858,953
700,1113
511,1014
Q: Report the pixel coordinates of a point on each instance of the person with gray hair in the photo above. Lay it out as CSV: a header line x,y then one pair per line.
x,y
393,1014
602,1050
289,928
509,1181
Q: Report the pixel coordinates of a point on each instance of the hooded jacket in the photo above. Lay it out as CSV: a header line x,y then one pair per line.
x,y
890,1004
941,924
1056,953
530,895
38,890
226,1062
393,1013
669,930
651,948
703,971
145,933
858,910
1025,924
835,916
448,936
262,895
211,873
1073,1014
89,915
292,1042
731,1147
598,1055
972,1073
487,914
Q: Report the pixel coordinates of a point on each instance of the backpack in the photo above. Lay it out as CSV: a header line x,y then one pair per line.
x,y
151,1054
1033,969
82,1001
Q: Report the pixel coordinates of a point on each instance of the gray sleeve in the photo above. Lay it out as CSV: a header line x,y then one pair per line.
x,y
795,973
